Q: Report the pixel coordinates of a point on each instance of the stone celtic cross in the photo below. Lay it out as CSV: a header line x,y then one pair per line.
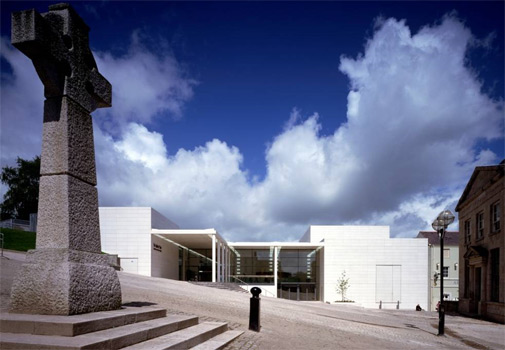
x,y
66,273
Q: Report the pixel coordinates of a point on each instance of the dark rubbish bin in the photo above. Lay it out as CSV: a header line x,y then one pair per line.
x,y
254,313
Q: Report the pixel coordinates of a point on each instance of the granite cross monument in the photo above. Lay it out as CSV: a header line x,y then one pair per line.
x,y
66,274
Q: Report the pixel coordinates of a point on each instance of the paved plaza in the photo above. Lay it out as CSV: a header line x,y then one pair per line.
x,y
298,325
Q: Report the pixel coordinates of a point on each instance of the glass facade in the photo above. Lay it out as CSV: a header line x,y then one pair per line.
x,y
195,265
298,291
297,265
297,270
254,266
297,274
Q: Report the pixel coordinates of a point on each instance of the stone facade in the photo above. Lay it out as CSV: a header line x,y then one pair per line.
x,y
482,244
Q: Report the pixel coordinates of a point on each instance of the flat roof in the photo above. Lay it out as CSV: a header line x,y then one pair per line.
x,y
185,231
202,239
194,239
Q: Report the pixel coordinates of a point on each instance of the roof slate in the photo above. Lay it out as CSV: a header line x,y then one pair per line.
x,y
451,237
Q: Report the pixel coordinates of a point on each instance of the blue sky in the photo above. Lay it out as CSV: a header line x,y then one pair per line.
x,y
260,118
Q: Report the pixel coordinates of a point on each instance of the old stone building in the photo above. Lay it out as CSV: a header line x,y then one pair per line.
x,y
482,244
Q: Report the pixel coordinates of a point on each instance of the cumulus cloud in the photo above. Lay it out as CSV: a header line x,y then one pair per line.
x,y
21,107
146,84
415,113
196,185
144,147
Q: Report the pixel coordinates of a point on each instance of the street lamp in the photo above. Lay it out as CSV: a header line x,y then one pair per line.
x,y
440,224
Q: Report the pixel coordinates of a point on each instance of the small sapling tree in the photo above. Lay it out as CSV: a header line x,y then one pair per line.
x,y
343,285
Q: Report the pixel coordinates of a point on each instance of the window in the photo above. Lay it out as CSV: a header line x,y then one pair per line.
x,y
495,274
446,271
495,217
447,253
468,232
297,265
255,265
195,265
480,225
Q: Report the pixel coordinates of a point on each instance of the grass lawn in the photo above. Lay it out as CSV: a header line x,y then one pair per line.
x,y
18,239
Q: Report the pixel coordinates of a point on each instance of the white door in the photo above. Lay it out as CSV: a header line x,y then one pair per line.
x,y
388,283
129,265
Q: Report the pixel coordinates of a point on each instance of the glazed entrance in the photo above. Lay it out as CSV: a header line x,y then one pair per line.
x,y
297,274
297,291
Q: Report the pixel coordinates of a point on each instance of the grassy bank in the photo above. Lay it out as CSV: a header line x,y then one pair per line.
x,y
18,239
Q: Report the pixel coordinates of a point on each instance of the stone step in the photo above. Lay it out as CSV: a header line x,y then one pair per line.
x,y
70,326
184,339
221,285
219,341
113,338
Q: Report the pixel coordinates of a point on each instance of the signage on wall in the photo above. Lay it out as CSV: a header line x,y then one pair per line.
x,y
157,247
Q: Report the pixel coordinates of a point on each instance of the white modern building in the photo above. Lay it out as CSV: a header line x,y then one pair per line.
x,y
382,271
126,231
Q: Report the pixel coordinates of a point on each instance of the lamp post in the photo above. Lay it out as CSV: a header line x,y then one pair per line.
x,y
440,224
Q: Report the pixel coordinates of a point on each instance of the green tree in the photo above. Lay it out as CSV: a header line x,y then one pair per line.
x,y
22,196
343,285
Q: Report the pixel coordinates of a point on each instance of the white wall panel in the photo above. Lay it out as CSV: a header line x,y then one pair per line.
x,y
126,231
357,250
164,259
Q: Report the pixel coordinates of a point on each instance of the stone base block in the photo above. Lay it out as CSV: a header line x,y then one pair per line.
x,y
68,214
65,282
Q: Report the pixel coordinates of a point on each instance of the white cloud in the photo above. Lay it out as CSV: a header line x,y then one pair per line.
x,y
195,186
140,145
415,113
145,84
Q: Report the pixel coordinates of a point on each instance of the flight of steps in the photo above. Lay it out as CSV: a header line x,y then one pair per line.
x,y
131,328
221,285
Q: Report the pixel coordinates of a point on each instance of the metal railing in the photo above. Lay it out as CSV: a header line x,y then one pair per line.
x,y
248,286
15,223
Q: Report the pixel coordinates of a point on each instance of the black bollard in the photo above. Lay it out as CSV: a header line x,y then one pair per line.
x,y
254,313
441,319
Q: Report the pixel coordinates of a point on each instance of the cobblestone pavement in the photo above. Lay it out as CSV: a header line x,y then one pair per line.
x,y
290,325
248,341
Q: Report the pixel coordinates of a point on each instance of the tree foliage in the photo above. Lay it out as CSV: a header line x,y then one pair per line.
x,y
343,285
22,196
